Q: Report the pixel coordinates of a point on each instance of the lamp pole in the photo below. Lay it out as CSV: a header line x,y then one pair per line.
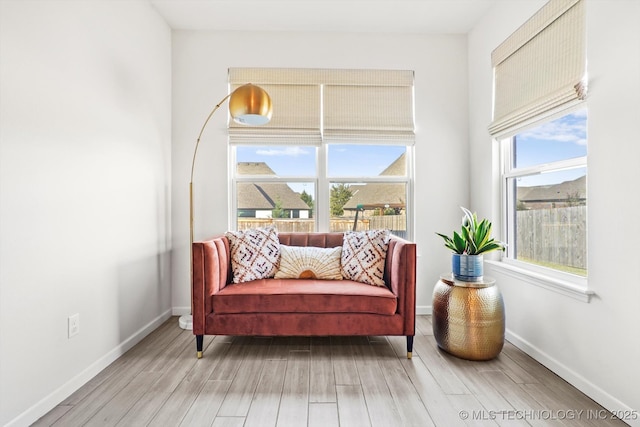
x,y
248,105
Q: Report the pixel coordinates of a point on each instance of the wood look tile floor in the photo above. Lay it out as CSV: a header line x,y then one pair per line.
x,y
321,381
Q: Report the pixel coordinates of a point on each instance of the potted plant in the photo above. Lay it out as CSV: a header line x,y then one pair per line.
x,y
469,245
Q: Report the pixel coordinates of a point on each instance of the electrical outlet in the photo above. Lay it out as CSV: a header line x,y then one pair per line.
x,y
74,325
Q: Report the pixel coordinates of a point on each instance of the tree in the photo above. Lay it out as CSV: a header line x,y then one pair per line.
x,y
340,195
308,199
277,211
392,211
574,199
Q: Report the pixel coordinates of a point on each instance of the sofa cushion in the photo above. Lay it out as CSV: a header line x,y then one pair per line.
x,y
309,262
363,256
254,253
304,296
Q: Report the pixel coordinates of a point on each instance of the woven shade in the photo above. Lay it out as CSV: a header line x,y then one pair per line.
x,y
295,118
541,67
369,113
311,106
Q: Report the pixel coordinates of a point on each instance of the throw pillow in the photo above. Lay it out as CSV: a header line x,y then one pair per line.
x,y
309,262
363,256
254,253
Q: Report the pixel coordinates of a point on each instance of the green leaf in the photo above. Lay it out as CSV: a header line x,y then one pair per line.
x,y
484,233
492,246
474,237
459,243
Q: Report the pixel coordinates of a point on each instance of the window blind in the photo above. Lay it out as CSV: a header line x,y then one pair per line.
x,y
311,106
295,118
541,66
368,113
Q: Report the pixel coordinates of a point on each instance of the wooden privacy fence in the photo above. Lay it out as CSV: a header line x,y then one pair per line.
x,y
555,235
283,225
396,223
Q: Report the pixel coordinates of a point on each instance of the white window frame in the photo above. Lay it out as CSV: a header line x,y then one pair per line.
x,y
391,179
322,183
565,283
236,178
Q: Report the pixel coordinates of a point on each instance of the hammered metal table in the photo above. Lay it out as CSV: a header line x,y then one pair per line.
x,y
468,318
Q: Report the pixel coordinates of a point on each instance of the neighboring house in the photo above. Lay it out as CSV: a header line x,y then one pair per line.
x,y
378,197
568,193
260,199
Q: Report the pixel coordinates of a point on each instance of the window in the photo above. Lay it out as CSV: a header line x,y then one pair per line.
x,y
365,187
369,185
335,156
545,193
540,81
275,185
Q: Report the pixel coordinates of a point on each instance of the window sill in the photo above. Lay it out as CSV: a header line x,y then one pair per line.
x,y
551,283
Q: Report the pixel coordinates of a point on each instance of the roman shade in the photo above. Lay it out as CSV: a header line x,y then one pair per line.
x,y
368,113
312,106
541,67
295,118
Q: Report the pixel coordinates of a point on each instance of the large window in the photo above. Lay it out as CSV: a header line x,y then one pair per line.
x,y
336,155
545,192
362,187
540,121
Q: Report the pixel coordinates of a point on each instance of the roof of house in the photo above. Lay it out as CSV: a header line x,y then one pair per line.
x,y
397,168
377,195
265,195
254,168
381,195
556,192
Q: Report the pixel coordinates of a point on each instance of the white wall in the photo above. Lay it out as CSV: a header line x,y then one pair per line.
x,y
200,63
85,188
594,346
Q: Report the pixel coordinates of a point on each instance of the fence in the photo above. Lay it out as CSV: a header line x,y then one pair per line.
x,y
283,225
555,236
396,223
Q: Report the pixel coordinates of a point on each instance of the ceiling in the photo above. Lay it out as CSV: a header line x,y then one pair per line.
x,y
360,16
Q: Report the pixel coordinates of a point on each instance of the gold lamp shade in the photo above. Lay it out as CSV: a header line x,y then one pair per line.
x,y
250,105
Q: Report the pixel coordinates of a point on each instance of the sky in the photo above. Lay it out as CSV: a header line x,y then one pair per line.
x,y
560,139
343,160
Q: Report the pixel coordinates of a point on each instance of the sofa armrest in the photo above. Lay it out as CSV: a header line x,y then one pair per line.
x,y
210,273
400,275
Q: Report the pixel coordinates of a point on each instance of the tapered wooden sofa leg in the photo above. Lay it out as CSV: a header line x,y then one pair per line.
x,y
199,339
409,346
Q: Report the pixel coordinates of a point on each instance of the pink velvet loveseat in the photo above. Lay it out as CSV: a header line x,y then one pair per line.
x,y
302,307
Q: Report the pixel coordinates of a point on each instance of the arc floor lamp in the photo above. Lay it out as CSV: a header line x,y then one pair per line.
x,y
248,105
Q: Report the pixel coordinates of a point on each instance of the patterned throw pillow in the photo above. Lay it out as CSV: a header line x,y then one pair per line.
x,y
309,262
363,256
254,253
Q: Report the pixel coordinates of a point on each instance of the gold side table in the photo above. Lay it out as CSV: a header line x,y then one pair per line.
x,y
468,318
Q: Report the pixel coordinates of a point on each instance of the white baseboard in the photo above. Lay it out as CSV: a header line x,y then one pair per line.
x,y
49,402
599,395
423,310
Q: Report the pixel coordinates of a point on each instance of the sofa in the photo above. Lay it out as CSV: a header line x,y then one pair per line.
x,y
302,306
